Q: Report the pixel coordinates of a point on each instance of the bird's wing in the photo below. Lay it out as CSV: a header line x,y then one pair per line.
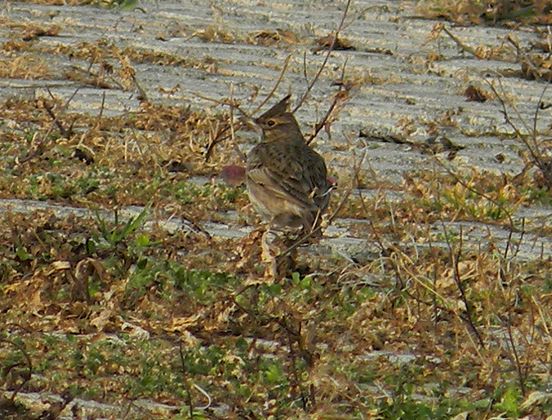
x,y
282,172
317,175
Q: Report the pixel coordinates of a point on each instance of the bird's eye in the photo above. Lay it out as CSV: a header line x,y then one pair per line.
x,y
271,123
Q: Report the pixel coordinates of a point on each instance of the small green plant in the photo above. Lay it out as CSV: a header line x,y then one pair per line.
x,y
124,5
509,401
187,192
202,285
113,236
477,205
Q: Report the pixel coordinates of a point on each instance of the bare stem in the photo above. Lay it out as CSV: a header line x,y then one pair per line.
x,y
323,65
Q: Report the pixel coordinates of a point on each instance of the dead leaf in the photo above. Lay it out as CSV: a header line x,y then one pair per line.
x,y
340,44
475,94
233,175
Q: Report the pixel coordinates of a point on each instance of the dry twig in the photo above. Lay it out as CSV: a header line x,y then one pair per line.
x,y
7,369
454,260
326,58
340,96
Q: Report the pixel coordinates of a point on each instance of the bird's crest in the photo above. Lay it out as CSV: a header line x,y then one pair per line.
x,y
278,109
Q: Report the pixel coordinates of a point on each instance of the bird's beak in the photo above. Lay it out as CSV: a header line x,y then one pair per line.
x,y
250,123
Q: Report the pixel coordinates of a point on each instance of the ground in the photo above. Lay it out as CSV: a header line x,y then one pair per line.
x,y
131,283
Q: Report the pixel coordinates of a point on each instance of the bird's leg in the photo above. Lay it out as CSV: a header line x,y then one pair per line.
x,y
268,256
266,245
273,245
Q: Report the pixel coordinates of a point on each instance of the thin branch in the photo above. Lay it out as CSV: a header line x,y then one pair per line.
x,y
39,149
222,134
515,108
521,376
323,65
29,374
219,137
305,73
70,99
454,259
65,132
50,111
339,96
209,400
278,81
463,46
535,119
191,224
224,102
235,145
100,115
142,95
292,337
519,134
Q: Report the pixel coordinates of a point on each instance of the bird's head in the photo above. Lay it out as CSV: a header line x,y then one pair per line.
x,y
278,123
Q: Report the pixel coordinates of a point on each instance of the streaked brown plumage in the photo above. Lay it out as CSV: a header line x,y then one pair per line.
x,y
286,179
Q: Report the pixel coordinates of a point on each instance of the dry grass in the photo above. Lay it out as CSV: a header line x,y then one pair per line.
x,y
449,307
430,324
506,12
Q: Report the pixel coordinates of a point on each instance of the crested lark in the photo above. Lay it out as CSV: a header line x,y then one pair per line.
x,y
286,182
286,179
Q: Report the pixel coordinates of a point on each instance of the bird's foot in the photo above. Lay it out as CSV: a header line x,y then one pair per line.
x,y
279,262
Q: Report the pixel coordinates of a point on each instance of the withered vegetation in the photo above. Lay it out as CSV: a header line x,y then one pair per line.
x,y
128,311
493,12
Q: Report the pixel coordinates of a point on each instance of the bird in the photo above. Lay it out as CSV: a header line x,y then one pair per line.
x,y
287,181
515,10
